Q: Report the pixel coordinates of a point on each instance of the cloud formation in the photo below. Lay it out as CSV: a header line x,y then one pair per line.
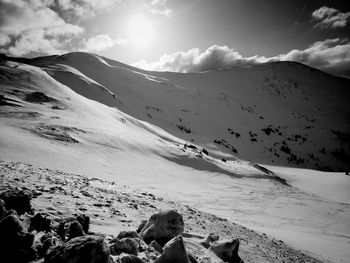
x,y
36,27
331,55
32,26
193,60
327,17
100,43
84,9
159,7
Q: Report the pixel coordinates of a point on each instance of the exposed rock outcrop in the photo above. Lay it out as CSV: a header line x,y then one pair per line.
x,y
162,227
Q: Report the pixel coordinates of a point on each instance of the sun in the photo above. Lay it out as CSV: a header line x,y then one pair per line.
x,y
140,31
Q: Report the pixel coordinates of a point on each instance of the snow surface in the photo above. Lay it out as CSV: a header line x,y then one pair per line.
x,y
123,144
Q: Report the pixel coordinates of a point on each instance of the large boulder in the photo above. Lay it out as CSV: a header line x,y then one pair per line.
x,y
162,227
227,250
174,252
40,222
15,242
75,230
73,227
84,249
17,199
45,243
124,245
84,220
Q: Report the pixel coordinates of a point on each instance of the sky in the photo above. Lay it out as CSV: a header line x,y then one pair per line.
x,y
182,35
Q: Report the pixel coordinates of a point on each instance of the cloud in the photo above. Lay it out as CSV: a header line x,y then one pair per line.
x,y
34,41
159,7
193,60
84,9
34,27
18,16
4,40
100,43
331,55
327,17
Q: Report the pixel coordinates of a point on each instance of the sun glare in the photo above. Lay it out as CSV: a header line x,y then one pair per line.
x,y
140,31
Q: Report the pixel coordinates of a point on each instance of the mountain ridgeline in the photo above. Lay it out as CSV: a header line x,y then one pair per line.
x,y
281,113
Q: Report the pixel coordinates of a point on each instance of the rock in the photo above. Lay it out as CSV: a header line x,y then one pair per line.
x,y
37,97
47,241
84,221
62,230
162,227
131,234
2,209
192,258
85,249
174,252
40,223
142,224
75,230
227,250
209,239
130,259
15,243
156,247
10,225
124,245
18,200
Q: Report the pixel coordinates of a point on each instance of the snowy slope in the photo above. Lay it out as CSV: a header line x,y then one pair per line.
x,y
61,129
281,113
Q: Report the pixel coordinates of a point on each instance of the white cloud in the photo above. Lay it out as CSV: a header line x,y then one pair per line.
x,y
327,17
332,55
193,60
84,9
65,29
100,43
4,40
34,26
160,7
19,16
35,41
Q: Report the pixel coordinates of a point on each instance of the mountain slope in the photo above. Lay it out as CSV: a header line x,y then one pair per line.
x,y
48,124
281,113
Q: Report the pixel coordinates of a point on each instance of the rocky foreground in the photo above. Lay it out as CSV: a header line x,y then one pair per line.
x,y
51,216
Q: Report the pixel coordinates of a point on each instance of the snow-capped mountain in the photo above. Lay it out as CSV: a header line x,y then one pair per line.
x,y
282,113
193,137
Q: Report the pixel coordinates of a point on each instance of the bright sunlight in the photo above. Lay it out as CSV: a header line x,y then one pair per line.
x,y
140,31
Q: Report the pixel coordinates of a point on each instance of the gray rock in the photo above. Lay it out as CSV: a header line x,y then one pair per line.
x,y
15,243
227,250
17,199
75,230
155,246
2,209
85,249
162,227
84,221
124,245
174,252
131,234
130,259
40,222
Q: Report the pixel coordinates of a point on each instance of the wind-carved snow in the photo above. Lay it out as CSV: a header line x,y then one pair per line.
x,y
154,136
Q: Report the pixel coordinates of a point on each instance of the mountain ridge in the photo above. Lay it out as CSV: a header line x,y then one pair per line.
x,y
305,98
